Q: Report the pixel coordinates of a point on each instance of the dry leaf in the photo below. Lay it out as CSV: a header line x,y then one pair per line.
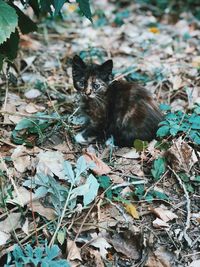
x,y
128,243
158,223
160,258
164,214
32,93
32,108
181,155
3,238
195,263
20,159
51,163
100,243
127,153
73,251
25,227
48,213
100,167
131,209
11,223
176,82
22,196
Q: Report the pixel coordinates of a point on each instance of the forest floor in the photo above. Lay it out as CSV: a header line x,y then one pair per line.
x,y
102,205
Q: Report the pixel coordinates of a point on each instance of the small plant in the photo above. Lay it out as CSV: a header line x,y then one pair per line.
x,y
179,122
13,18
39,256
30,131
59,194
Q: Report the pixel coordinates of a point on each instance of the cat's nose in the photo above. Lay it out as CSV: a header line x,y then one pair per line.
x,y
88,91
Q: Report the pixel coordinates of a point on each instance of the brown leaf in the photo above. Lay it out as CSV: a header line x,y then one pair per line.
x,y
160,258
158,223
181,155
100,167
48,213
164,214
127,243
20,159
73,251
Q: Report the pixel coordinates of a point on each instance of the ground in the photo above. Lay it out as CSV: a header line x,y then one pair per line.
x,y
102,205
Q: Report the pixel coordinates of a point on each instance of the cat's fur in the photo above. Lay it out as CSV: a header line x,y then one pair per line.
x,y
122,109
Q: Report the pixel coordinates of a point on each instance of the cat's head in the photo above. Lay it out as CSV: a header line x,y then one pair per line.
x,y
91,80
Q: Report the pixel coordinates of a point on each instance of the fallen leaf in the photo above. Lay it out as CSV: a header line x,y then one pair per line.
x,y
181,155
131,209
100,243
154,30
195,263
196,62
25,227
3,238
127,153
48,213
100,167
160,258
32,93
73,251
11,223
20,159
164,214
32,108
158,223
51,163
22,196
128,243
176,82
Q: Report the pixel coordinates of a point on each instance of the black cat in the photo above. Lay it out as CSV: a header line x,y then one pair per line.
x,y
122,109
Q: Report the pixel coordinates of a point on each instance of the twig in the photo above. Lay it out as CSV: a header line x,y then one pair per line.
x,y
157,182
188,203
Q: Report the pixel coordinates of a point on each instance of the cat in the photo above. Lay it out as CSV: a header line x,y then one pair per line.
x,y
124,110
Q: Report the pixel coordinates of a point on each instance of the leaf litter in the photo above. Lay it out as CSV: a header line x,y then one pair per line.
x,y
110,199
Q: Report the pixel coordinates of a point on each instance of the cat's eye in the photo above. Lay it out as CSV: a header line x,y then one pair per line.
x,y
81,84
96,86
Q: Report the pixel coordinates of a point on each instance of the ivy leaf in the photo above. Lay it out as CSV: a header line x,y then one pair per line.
x,y
163,131
9,48
164,107
25,24
158,168
84,6
8,21
58,4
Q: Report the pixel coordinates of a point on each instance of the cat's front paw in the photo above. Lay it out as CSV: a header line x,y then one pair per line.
x,y
80,139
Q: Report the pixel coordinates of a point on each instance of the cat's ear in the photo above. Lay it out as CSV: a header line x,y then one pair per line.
x,y
107,67
78,65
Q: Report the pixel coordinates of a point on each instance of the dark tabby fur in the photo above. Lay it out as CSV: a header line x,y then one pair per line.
x,y
119,108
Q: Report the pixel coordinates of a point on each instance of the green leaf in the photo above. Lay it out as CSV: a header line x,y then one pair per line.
x,y
164,107
25,24
140,145
8,21
58,4
1,61
81,166
23,124
9,48
84,6
61,236
158,168
68,172
89,190
163,131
